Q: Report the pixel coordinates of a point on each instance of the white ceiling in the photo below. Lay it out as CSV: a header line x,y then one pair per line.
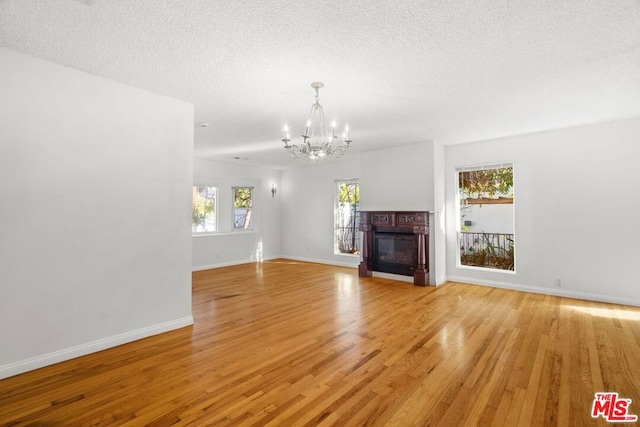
x,y
398,72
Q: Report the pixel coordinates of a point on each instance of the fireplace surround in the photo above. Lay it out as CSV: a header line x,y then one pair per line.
x,y
395,242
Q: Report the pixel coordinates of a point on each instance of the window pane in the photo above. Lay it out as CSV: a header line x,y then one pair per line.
x,y
487,236
242,208
204,209
347,218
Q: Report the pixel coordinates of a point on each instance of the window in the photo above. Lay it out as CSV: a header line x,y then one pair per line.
x,y
347,218
204,210
486,215
242,208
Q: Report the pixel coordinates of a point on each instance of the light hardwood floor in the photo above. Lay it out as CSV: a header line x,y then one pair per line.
x,y
293,343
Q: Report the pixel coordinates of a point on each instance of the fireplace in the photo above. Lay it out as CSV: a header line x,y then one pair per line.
x,y
397,243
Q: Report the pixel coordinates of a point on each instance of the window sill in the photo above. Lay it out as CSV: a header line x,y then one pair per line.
x,y
487,269
347,255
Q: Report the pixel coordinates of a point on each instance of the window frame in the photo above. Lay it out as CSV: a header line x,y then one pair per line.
x,y
336,219
251,209
459,214
195,191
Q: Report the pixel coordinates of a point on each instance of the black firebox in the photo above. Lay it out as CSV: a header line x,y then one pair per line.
x,y
395,252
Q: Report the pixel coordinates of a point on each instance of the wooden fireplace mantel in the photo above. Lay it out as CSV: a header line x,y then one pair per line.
x,y
418,222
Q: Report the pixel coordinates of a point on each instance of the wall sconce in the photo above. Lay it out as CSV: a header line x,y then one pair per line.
x,y
274,190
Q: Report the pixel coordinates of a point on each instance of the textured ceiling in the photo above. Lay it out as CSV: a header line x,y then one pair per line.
x,y
398,71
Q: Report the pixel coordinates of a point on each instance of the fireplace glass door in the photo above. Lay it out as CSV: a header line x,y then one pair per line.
x,y
394,253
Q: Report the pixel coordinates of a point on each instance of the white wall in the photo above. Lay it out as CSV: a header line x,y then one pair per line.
x,y
399,178
95,243
228,247
308,194
575,210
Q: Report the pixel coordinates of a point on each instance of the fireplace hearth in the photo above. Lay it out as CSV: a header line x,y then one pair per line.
x,y
397,243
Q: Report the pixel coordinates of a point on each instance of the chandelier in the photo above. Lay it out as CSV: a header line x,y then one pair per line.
x,y
318,141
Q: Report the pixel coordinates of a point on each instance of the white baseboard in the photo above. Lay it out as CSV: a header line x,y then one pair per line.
x,y
440,281
231,263
559,292
54,357
251,261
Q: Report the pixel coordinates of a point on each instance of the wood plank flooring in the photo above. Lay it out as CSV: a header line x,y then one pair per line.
x,y
291,343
